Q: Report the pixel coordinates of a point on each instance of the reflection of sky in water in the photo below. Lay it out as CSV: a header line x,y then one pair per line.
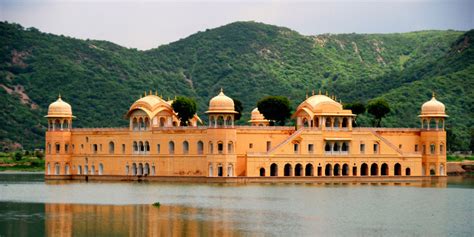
x,y
281,209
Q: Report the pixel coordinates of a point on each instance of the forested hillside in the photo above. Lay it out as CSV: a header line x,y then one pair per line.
x,y
249,60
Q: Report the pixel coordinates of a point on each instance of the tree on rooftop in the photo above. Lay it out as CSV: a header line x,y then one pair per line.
x,y
275,108
186,109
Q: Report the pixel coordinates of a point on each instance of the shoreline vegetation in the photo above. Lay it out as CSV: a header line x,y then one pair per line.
x,y
22,161
27,161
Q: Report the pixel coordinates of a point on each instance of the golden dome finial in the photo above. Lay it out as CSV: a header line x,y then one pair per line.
x,y
312,93
151,93
335,97
144,93
327,94
434,95
59,96
319,91
222,90
156,93
306,94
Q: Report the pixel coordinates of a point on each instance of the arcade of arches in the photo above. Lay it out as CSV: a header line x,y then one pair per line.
x,y
334,169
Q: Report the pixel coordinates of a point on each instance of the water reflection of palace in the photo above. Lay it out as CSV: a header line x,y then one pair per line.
x,y
133,220
324,143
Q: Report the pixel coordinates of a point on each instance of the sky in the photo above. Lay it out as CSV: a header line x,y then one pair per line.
x,y
147,24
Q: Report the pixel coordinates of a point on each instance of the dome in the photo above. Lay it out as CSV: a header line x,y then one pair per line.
x,y
221,104
256,115
433,108
317,100
59,108
150,104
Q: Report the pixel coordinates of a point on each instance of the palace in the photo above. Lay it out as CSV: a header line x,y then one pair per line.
x,y
323,143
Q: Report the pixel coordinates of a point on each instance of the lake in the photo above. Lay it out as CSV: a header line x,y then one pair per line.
x,y
29,206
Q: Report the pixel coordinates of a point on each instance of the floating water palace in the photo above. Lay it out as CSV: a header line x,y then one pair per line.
x,y
323,143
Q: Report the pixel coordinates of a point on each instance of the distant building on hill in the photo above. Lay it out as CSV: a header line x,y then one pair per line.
x,y
323,143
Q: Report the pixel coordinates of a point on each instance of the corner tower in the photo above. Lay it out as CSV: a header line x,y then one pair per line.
x,y
433,137
221,136
58,138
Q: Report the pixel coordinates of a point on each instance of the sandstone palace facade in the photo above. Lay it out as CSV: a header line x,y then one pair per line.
x,y
323,143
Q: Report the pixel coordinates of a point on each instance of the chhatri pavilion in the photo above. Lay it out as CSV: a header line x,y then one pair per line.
x,y
323,143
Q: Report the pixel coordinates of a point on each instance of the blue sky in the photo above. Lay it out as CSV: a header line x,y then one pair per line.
x,y
148,24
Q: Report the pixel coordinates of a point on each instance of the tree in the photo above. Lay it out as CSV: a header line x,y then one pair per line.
x,y
276,108
239,108
356,108
18,156
186,109
378,108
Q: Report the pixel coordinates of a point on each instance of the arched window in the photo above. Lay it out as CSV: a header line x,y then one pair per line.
x,y
135,147
230,148
337,147
432,149
147,147
140,124
134,169
162,122
432,124
316,122
328,170
66,169
211,170
336,124
309,171
111,147
327,147
288,171
298,170
142,147
158,148
94,148
127,169
407,172
220,121
364,170
345,170
86,169
229,121
49,148
101,169
337,170
171,147
200,147
230,170
153,170
398,169
441,149
374,169
147,123
57,125
135,124
274,170
185,147
344,122
79,170
384,170
58,148
93,169
48,169
220,147
328,122
123,148
262,172
211,148
345,147
140,169
146,170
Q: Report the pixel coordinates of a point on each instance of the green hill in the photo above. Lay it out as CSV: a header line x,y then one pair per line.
x,y
249,60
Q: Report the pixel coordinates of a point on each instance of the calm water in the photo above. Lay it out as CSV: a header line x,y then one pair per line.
x,y
31,207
